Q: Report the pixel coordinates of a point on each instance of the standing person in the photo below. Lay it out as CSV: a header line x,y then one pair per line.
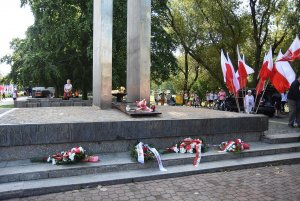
x,y
277,103
211,99
215,99
191,100
222,96
3,96
68,90
185,98
283,101
294,102
196,100
207,99
249,102
14,95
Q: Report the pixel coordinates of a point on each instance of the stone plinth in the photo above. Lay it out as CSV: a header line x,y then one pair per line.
x,y
51,102
39,132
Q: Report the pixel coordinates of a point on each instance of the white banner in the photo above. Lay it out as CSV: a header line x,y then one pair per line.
x,y
140,152
157,156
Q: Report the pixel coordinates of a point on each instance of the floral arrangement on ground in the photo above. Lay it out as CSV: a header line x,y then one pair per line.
x,y
234,146
188,145
148,155
75,155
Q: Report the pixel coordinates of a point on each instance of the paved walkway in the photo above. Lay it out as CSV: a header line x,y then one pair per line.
x,y
267,183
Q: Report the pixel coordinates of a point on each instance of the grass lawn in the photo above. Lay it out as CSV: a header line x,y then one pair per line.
x,y
7,106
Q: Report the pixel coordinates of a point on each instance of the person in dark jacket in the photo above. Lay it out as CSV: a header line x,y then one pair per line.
x,y
294,102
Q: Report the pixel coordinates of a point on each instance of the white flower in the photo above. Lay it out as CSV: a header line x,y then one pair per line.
x,y
72,156
81,150
182,150
176,150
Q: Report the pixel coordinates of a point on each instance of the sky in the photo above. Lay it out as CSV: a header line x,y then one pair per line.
x,y
14,22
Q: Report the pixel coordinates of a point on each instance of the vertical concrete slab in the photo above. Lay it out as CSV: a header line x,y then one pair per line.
x,y
138,49
102,53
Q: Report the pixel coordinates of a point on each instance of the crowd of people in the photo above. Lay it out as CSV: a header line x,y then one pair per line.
x,y
216,100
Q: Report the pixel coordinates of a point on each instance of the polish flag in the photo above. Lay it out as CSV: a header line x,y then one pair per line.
x,y
267,67
260,86
293,52
243,70
228,74
283,75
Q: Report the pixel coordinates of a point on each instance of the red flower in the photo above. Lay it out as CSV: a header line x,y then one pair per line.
x,y
66,154
145,149
76,150
188,147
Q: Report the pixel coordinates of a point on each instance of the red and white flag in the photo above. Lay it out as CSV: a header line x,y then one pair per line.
x,y
267,66
293,52
260,86
243,70
228,74
223,64
265,71
235,81
283,75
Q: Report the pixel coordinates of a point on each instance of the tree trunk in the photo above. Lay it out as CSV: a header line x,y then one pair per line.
x,y
186,72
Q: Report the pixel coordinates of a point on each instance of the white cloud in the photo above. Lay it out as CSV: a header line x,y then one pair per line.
x,y
14,22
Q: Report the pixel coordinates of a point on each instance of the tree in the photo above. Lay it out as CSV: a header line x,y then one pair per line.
x,y
59,45
203,28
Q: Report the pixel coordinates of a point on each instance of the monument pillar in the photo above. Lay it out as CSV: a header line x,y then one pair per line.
x,y
102,53
138,49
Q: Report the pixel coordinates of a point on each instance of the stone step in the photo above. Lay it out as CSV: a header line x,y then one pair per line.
x,y
52,185
24,170
281,138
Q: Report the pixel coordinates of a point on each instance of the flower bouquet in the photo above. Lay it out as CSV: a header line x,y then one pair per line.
x,y
76,154
134,153
142,152
233,146
188,145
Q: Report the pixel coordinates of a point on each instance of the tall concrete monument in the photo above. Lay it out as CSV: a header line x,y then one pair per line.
x,y
102,53
138,51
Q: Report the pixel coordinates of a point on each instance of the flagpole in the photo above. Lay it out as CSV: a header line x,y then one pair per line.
x,y
266,84
256,94
243,94
236,99
237,102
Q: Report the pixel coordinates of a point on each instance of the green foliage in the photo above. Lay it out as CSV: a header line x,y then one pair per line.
x,y
58,46
59,43
203,28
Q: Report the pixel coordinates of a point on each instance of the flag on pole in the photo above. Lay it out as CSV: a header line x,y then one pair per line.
x,y
282,75
228,74
234,80
243,70
267,66
260,86
265,71
293,52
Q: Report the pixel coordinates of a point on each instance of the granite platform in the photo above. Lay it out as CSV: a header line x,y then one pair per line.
x,y
51,102
44,131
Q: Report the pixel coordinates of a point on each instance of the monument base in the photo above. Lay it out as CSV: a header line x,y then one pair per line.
x,y
43,131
